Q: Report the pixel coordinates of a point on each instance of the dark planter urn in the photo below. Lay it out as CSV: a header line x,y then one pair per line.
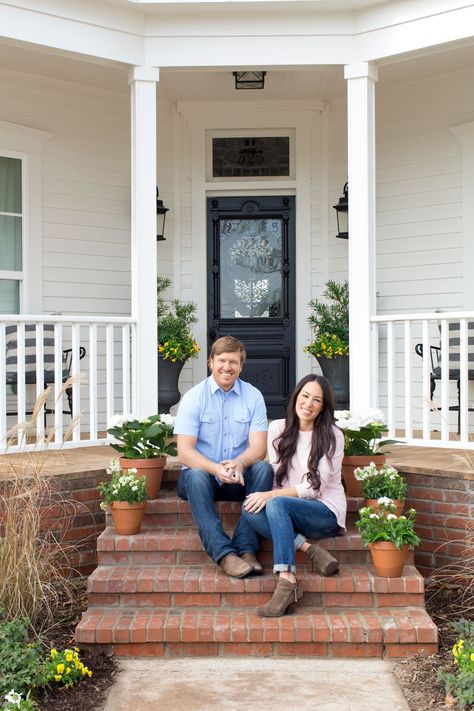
x,y
336,370
168,376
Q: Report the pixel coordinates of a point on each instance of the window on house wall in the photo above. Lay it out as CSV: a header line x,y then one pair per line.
x,y
11,234
250,155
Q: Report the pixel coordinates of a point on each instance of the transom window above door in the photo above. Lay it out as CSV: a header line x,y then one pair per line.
x,y
256,155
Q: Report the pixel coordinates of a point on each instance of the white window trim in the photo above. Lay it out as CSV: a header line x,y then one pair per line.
x,y
27,144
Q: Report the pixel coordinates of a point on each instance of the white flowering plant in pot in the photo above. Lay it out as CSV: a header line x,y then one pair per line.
x,y
383,482
122,486
143,439
362,431
384,525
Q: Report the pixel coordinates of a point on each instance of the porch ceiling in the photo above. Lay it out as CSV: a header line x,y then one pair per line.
x,y
319,83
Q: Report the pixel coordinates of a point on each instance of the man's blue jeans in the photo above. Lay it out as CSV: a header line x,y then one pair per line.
x,y
202,490
287,521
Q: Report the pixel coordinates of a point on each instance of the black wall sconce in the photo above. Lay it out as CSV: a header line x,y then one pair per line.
x,y
249,80
161,211
342,213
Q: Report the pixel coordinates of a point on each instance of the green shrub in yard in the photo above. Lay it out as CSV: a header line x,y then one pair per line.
x,y
460,683
21,661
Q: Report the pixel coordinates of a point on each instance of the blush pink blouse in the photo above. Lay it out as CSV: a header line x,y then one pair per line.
x,y
331,491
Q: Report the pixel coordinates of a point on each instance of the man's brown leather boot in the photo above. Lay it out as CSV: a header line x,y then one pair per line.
x,y
251,559
234,566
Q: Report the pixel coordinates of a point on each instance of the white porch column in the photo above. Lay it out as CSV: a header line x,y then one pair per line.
x,y
361,78
144,271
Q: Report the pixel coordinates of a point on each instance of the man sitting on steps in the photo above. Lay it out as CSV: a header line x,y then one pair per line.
x,y
221,428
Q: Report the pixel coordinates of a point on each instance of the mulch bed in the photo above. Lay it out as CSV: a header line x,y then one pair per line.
x,y
416,675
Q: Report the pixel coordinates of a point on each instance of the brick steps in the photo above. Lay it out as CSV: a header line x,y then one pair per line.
x,y
158,594
181,545
391,632
186,586
168,510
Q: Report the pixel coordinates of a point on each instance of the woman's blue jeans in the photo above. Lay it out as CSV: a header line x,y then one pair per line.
x,y
202,490
287,521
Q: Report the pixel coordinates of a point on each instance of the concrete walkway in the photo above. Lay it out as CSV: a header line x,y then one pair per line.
x,y
230,684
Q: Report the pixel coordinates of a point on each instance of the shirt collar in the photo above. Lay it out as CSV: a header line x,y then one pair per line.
x,y
236,388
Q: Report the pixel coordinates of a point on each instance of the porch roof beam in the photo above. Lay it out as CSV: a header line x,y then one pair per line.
x,y
170,38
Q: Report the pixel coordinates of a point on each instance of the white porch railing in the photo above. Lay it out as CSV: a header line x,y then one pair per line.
x,y
404,379
101,382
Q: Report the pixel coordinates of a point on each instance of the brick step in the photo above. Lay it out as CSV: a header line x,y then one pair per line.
x,y
206,586
182,545
390,632
169,510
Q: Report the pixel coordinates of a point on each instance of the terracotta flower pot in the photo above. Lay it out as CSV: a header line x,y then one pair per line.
x,y
127,517
351,462
152,469
397,503
388,560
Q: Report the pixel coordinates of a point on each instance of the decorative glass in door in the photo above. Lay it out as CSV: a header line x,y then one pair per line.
x,y
251,268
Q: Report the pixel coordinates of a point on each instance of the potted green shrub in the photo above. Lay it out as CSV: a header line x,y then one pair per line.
x,y
176,343
329,321
380,484
387,536
125,495
144,445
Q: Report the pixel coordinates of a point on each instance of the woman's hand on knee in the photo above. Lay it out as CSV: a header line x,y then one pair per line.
x,y
256,502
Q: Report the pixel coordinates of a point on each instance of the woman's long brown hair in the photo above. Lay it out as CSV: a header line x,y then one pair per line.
x,y
323,441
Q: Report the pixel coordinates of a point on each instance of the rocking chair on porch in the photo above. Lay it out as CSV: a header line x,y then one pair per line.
x,y
454,358
30,362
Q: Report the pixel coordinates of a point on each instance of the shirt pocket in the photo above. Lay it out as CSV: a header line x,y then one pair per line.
x,y
209,427
240,431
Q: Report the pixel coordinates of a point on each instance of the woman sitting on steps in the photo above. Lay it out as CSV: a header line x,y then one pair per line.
x,y
307,499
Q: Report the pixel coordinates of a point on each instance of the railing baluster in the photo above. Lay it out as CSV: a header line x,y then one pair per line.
x,y
408,425
463,382
126,368
76,373
109,368
40,376
444,345
93,380
426,380
58,383
21,394
390,380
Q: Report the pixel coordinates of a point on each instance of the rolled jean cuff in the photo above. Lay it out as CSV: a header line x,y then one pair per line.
x,y
282,568
299,540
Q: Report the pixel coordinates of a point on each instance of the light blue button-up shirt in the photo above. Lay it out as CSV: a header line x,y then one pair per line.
x,y
221,421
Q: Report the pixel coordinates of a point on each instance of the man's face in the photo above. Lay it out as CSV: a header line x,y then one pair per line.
x,y
226,368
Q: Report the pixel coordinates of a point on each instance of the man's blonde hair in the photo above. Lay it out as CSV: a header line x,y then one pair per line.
x,y
228,344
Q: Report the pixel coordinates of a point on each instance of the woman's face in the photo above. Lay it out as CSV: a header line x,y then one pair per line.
x,y
309,404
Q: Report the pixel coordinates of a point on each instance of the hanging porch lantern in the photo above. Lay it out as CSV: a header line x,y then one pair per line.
x,y
342,214
249,80
161,211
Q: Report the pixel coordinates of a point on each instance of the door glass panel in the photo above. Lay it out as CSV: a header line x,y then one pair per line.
x,y
9,296
251,261
10,243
